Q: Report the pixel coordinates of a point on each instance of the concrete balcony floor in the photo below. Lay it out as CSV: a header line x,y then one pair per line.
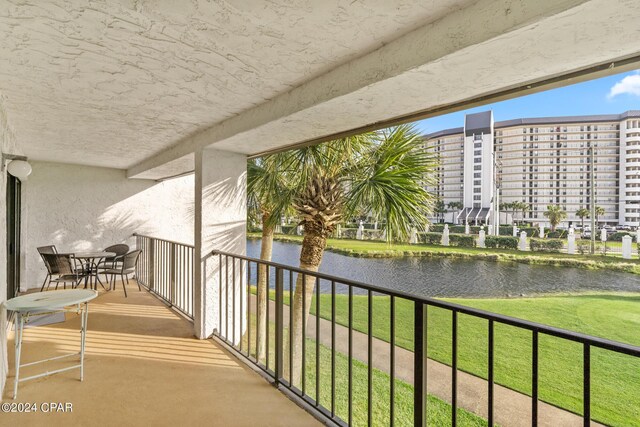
x,y
143,367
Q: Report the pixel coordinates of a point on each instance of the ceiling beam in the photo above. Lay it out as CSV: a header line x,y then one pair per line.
x,y
458,31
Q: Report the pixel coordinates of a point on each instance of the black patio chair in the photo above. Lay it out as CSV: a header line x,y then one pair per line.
x,y
126,267
110,263
51,249
63,267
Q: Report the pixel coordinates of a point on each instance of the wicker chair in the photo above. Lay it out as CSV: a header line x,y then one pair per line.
x,y
120,250
63,266
111,262
127,266
51,249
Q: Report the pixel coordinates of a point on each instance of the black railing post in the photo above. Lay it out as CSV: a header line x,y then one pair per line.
x,y
279,324
454,368
152,264
586,384
534,378
490,379
419,367
172,275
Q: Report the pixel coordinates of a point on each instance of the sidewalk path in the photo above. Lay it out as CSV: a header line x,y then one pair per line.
x,y
511,408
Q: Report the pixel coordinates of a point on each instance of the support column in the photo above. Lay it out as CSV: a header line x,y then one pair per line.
x,y
220,223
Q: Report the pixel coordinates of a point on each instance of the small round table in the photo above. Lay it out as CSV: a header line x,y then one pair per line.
x,y
47,302
93,259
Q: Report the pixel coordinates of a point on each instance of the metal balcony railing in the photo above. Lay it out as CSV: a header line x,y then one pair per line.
x,y
237,273
166,268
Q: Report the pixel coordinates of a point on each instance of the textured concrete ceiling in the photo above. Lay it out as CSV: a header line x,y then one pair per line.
x,y
485,48
111,83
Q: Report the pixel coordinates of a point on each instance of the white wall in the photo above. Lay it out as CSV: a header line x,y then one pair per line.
x,y
221,214
81,208
7,145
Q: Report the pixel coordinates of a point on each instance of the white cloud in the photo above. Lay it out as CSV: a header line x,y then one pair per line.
x,y
629,85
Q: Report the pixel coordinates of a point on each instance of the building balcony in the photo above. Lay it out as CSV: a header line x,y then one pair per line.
x,y
143,365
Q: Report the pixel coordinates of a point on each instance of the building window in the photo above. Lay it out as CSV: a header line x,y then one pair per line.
x,y
477,167
477,145
477,174
476,182
477,197
477,160
477,152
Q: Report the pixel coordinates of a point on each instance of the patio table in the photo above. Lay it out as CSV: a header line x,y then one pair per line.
x,y
47,302
93,259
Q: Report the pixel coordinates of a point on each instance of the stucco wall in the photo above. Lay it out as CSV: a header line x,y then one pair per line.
x,y
7,145
80,208
221,213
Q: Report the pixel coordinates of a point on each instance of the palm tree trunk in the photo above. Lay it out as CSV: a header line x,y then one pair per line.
x,y
266,250
313,245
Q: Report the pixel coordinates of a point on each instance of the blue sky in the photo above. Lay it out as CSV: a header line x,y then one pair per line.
x,y
608,95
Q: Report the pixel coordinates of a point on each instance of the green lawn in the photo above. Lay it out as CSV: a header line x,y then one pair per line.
x,y
615,378
381,249
438,411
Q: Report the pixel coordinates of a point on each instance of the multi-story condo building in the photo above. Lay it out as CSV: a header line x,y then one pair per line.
x,y
540,161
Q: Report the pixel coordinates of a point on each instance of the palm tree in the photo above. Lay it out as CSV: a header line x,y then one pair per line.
x,y
524,207
383,172
582,213
269,197
440,209
509,207
555,215
599,211
455,205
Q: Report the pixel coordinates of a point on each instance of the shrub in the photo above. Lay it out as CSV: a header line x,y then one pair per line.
x,y
508,231
618,235
289,229
455,229
348,233
252,228
431,238
558,234
503,242
541,245
462,240
583,246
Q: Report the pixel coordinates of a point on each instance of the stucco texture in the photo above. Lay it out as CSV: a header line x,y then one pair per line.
x,y
221,214
7,145
80,208
79,73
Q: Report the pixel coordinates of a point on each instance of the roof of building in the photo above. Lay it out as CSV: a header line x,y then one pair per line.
x,y
539,121
478,123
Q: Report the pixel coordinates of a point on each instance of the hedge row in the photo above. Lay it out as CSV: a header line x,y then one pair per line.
x,y
351,233
460,240
502,242
618,235
542,245
558,234
430,238
505,230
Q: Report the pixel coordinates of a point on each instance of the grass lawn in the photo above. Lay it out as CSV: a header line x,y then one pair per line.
x,y
438,411
381,249
615,378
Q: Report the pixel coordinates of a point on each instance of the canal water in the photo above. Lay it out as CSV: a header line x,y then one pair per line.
x,y
445,277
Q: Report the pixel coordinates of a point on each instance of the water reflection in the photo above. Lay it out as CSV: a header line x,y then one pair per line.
x,y
445,277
